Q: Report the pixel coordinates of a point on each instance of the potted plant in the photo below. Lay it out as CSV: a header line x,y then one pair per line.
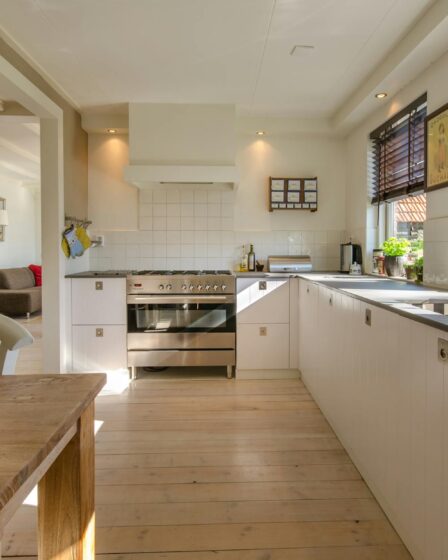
x,y
394,252
418,266
409,269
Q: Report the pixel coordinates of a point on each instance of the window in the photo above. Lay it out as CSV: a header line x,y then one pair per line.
x,y
397,157
406,218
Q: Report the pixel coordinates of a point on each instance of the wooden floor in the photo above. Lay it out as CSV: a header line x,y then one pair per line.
x,y
224,470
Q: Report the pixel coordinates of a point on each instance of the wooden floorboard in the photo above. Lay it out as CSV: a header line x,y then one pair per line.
x,y
226,470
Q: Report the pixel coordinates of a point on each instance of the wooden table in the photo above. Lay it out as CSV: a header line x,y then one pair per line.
x,y
47,437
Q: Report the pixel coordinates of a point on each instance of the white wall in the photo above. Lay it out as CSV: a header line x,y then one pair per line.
x,y
113,203
22,236
360,217
173,133
188,226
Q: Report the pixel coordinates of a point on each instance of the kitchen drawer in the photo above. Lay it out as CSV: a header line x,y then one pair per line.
x,y
99,348
98,300
263,300
262,346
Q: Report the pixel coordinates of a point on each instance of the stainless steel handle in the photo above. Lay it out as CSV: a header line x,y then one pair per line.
x,y
179,299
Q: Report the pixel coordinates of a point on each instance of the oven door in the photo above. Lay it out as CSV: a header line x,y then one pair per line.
x,y
185,322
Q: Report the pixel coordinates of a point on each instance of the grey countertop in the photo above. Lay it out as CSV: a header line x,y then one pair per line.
x,y
99,274
394,295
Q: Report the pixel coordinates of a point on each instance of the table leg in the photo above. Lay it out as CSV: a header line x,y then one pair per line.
x,y
66,510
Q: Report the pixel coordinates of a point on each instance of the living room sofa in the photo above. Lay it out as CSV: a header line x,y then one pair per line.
x,y
19,294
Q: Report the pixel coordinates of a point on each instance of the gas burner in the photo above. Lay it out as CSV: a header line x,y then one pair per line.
x,y
181,272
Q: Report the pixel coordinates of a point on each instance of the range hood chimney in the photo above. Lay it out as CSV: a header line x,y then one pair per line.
x,y
181,144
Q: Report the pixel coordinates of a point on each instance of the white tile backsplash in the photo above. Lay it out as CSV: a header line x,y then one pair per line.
x,y
195,229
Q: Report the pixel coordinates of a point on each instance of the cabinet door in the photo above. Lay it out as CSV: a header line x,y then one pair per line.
x,y
263,346
99,348
263,300
294,323
98,301
307,327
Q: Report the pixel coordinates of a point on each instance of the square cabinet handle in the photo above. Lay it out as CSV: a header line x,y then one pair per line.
x,y
262,285
99,333
98,285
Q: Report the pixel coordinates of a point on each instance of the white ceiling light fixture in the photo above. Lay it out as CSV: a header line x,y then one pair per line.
x,y
112,130
381,95
261,132
300,50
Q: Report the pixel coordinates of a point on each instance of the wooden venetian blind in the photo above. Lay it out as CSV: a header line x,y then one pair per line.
x,y
397,157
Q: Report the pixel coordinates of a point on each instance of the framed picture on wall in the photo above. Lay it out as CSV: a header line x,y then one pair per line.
x,y
436,149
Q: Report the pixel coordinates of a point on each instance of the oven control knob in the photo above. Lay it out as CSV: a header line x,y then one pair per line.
x,y
168,287
161,287
207,288
216,287
191,287
223,287
199,287
184,287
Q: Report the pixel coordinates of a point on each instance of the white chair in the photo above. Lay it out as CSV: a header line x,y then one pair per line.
x,y
13,337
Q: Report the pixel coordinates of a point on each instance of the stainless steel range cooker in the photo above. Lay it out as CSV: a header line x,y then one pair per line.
x,y
181,318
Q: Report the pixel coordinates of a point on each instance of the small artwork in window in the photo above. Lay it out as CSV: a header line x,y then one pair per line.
x,y
294,185
294,196
278,184
277,196
310,196
437,149
310,184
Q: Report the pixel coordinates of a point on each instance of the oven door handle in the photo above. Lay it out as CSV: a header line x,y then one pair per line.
x,y
180,299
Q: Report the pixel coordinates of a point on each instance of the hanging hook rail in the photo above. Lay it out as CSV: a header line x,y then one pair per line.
x,y
74,220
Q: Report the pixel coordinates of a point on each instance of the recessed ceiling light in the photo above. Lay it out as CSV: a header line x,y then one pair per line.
x,y
381,95
299,50
261,132
112,130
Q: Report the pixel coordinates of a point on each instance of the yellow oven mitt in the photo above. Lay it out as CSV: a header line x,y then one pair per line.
x,y
83,237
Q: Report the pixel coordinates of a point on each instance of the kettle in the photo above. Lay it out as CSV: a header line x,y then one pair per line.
x,y
350,253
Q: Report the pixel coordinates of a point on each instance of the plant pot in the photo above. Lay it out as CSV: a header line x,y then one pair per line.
x,y
394,265
410,273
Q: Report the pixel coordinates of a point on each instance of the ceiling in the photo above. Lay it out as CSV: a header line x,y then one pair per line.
x,y
107,52
19,150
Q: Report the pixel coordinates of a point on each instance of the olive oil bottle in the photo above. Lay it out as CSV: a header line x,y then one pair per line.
x,y
251,259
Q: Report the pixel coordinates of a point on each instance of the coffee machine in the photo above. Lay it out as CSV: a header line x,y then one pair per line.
x,y
350,253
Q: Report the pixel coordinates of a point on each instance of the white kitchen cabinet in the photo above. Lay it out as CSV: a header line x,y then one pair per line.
x,y
385,392
98,324
99,300
267,327
99,348
263,346
263,300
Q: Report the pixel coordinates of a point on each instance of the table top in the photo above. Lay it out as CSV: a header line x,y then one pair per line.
x,y
36,413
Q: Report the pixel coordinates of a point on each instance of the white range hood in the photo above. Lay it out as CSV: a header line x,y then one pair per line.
x,y
181,144
147,175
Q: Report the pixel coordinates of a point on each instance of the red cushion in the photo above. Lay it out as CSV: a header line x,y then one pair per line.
x,y
36,269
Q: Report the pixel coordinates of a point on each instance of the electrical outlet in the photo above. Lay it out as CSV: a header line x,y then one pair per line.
x,y
263,331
